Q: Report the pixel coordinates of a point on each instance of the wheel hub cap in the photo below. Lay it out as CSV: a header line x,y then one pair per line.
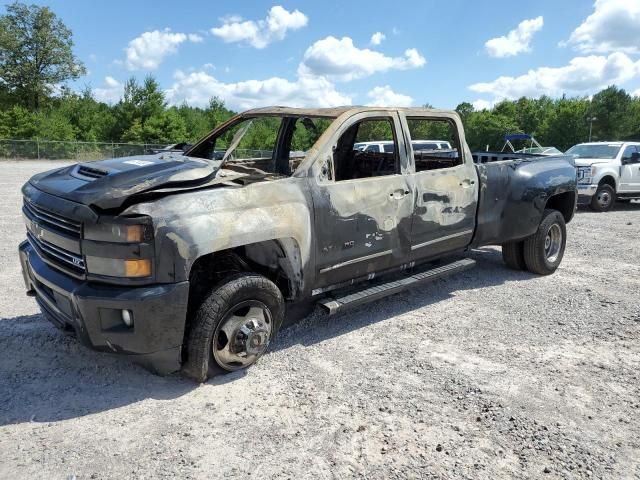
x,y
251,338
604,199
242,336
553,242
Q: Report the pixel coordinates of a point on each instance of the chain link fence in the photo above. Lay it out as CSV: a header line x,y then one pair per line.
x,y
78,151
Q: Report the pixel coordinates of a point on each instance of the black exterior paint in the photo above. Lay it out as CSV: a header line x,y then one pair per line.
x,y
331,233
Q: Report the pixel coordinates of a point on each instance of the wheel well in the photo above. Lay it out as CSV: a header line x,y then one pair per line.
x,y
608,180
564,203
278,260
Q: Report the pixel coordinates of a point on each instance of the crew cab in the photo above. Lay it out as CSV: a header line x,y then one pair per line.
x,y
607,171
193,262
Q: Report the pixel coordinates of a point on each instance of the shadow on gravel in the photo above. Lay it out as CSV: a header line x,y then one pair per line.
x,y
46,376
489,271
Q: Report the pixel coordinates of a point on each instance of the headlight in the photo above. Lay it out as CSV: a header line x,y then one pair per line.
x,y
139,230
119,247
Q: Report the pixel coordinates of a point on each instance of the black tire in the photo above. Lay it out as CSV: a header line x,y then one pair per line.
x,y
604,198
539,256
513,255
235,292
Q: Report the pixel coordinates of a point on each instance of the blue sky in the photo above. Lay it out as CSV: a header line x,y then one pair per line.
x,y
325,53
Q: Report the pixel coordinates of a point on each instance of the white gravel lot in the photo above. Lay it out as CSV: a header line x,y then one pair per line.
x,y
489,374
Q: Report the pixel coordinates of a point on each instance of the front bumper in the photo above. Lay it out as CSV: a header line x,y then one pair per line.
x,y
585,192
94,313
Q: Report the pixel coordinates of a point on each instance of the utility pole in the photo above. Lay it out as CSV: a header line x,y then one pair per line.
x,y
591,120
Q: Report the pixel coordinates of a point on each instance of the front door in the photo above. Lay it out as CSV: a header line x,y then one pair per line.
x,y
630,173
362,201
446,187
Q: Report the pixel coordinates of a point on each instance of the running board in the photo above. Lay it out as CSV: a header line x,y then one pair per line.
x,y
337,302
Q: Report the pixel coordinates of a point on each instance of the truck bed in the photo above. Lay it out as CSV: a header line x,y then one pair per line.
x,y
514,191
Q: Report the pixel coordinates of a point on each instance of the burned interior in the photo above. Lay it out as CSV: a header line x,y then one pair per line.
x,y
268,144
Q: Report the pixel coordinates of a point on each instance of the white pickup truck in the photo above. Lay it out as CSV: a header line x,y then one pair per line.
x,y
607,171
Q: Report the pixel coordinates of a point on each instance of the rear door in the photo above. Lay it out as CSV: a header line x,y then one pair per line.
x,y
630,173
363,202
446,185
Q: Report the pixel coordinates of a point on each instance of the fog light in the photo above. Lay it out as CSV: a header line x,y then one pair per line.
x,y
127,318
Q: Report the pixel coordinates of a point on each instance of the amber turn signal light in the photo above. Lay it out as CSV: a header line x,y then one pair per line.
x,y
137,268
134,233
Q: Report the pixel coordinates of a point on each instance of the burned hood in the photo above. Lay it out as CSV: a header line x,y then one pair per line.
x,y
109,183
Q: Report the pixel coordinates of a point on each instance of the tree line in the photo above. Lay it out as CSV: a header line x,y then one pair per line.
x,y
37,61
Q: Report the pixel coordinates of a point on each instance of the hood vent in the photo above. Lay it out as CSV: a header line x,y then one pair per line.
x,y
91,172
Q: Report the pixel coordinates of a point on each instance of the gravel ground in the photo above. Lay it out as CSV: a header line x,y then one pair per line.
x,y
489,374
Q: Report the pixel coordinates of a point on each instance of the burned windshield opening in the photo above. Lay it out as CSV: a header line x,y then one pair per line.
x,y
272,145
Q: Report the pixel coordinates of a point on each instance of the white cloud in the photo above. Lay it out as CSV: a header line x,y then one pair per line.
x,y
111,92
195,38
147,51
481,104
613,26
260,33
197,88
583,75
636,93
386,97
516,41
377,38
340,59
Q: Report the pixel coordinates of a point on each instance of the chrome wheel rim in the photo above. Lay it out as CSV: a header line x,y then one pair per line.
x,y
242,336
553,243
604,199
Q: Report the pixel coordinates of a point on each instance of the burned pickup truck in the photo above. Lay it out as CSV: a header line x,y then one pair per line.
x,y
193,261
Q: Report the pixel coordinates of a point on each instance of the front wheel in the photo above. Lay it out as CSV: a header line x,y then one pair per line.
x,y
603,199
233,327
543,251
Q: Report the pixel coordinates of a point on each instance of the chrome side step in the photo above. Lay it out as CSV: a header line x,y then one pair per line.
x,y
338,302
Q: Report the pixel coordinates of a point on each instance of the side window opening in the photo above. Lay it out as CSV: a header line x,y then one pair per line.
x,y
350,162
434,143
272,145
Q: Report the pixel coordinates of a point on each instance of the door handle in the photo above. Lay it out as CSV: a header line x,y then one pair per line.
x,y
467,183
399,193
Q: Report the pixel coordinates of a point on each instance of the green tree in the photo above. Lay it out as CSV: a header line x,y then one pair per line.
x,y
35,53
464,109
610,108
566,125
165,127
138,105
217,112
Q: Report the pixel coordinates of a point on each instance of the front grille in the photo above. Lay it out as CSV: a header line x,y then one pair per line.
x,y
67,261
583,174
53,221
91,172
